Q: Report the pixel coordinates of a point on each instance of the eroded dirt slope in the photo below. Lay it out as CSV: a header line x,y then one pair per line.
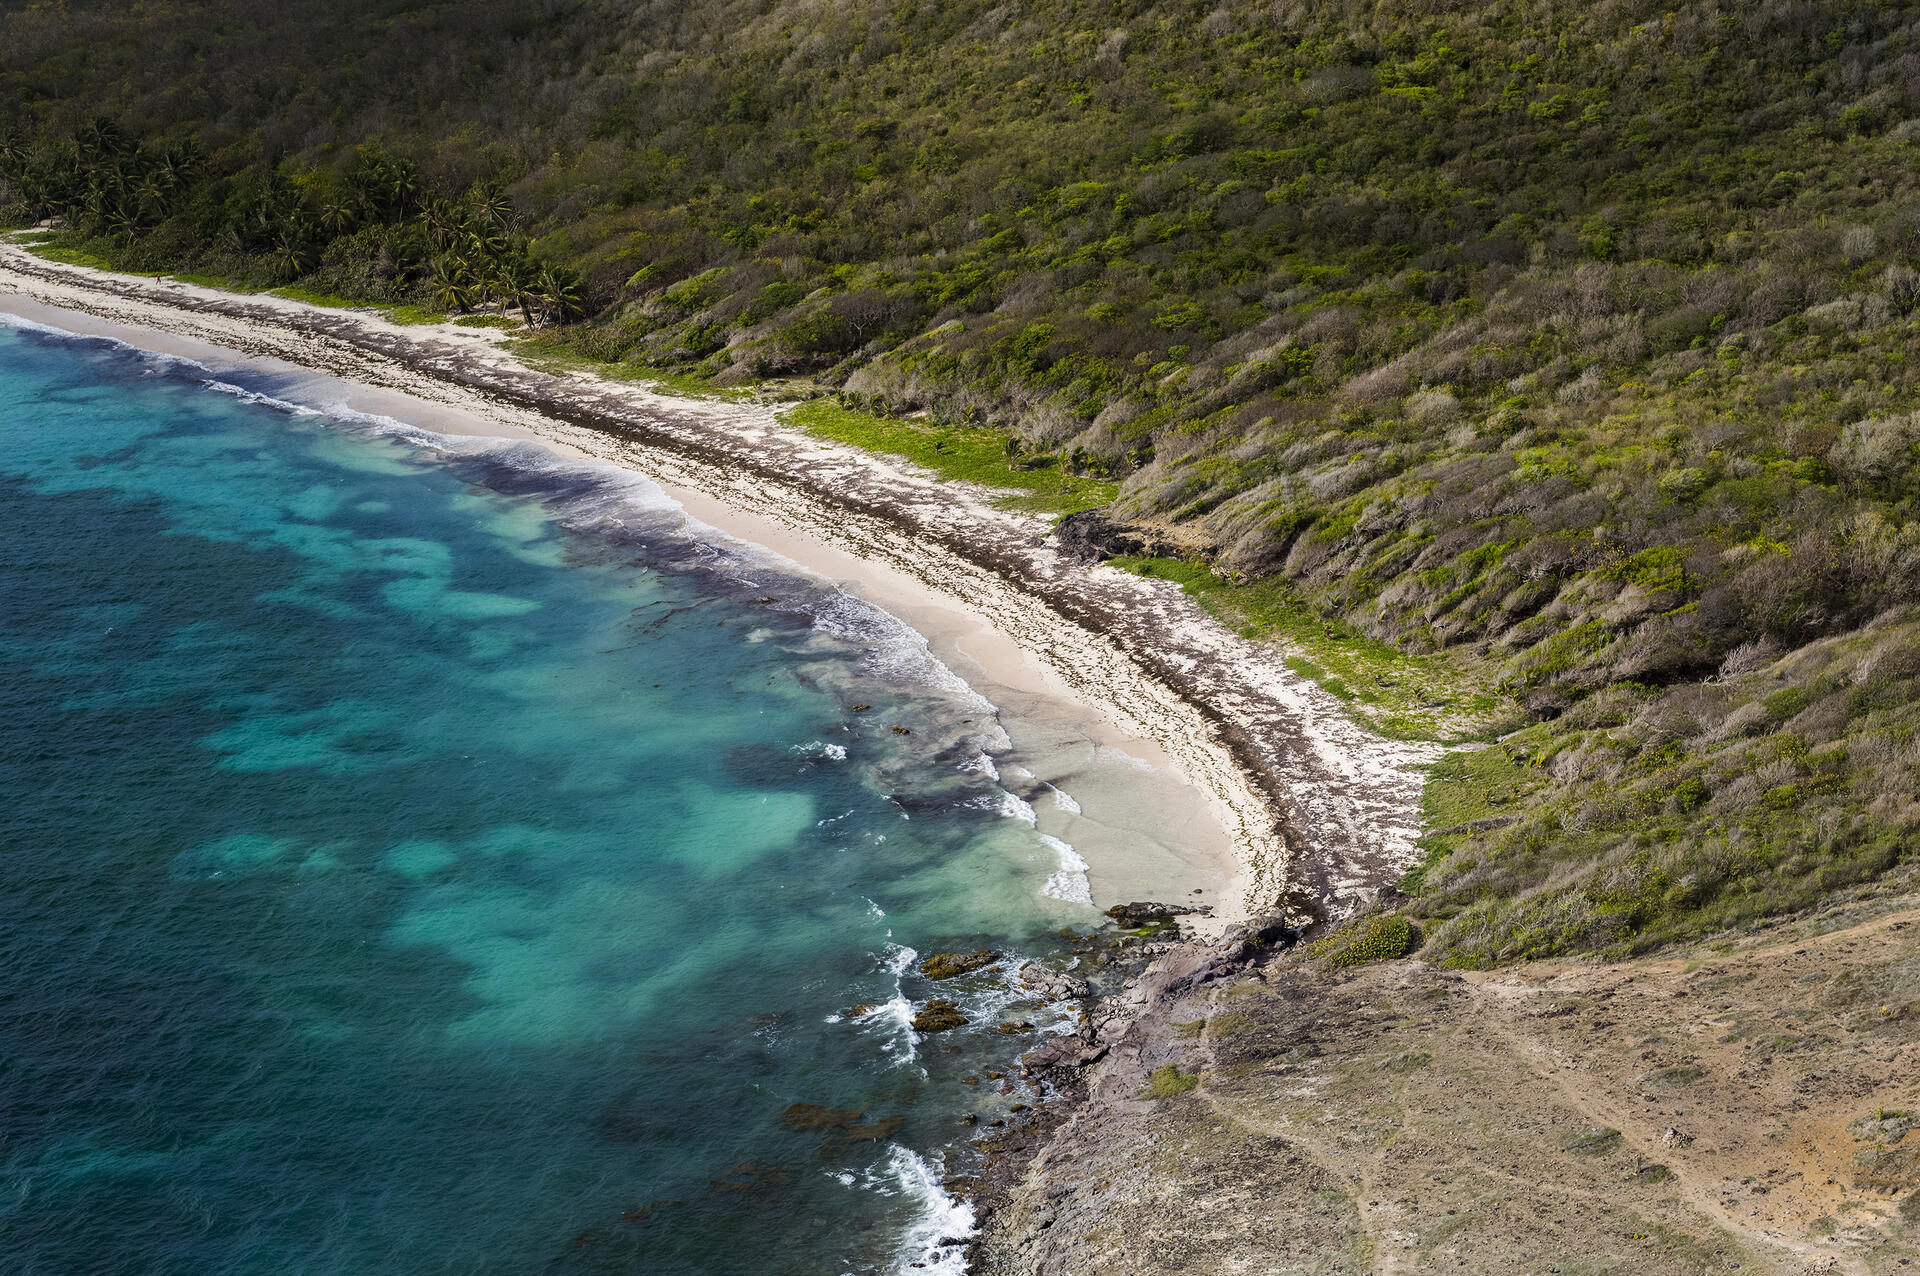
x,y
1739,1107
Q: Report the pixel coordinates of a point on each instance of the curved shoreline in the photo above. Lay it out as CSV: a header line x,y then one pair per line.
x,y
1321,813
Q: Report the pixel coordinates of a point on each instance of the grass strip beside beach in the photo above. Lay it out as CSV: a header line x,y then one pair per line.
x,y
971,454
1399,695
554,353
53,250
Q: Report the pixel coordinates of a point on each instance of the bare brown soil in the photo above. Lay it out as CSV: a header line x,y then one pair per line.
x,y
1747,1106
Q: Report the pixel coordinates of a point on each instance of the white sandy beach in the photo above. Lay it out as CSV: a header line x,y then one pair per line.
x,y
1252,776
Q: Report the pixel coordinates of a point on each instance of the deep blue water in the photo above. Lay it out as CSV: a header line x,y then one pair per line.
x,y
414,862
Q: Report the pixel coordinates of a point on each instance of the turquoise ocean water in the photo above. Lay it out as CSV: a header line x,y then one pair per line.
x,y
441,860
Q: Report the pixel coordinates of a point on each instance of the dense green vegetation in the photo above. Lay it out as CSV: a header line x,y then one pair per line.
x,y
1651,814
1575,343
371,229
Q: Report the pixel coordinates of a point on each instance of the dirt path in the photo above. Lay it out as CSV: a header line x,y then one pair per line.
x,y
1741,1108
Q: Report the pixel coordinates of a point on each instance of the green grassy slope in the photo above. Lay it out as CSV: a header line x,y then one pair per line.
x,y
1571,346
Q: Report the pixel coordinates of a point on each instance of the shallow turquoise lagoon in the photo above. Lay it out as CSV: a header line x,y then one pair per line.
x,y
419,860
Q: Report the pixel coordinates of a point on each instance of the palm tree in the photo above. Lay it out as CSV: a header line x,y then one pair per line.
x,y
487,244
337,217
179,162
444,219
101,137
151,195
491,205
452,284
403,189
559,291
122,226
94,206
291,256
515,280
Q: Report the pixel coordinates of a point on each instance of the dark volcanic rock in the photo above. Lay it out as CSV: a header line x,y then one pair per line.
x,y
1069,1050
1139,914
1093,537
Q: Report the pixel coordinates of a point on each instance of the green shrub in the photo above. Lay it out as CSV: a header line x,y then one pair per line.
x,y
1378,938
1167,1082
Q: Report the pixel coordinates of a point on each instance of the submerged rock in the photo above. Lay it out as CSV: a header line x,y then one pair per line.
x,y
813,1116
948,965
640,1215
938,1015
748,1177
881,1129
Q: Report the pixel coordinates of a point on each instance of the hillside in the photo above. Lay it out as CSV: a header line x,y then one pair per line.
x,y
1737,1107
1568,344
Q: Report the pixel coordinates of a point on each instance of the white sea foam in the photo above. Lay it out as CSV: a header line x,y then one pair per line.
x,y
1107,753
892,648
245,395
982,764
1064,800
1010,805
162,364
1070,883
892,1020
28,325
821,749
934,1240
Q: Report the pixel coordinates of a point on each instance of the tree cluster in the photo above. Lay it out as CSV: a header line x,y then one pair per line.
x,y
370,228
